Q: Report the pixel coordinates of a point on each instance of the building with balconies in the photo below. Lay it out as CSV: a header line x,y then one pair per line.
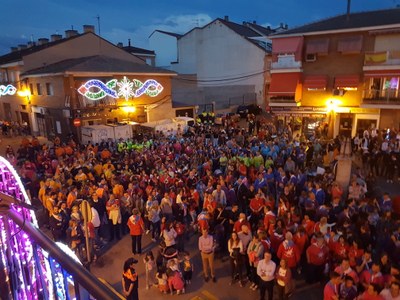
x,y
343,71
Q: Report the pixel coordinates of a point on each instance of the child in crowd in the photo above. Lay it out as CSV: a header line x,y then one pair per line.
x,y
162,282
150,267
175,282
187,268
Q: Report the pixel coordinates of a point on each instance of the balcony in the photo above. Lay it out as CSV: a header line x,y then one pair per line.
x,y
383,98
377,60
286,61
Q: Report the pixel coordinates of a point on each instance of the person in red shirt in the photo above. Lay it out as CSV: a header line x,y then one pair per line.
x,y
289,251
338,248
136,228
331,289
372,276
237,227
317,256
372,293
344,269
269,217
256,207
355,253
308,225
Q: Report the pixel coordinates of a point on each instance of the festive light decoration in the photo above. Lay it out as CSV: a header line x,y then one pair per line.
x,y
28,272
150,87
103,90
8,89
126,88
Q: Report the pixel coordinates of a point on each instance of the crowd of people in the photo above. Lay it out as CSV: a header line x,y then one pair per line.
x,y
261,196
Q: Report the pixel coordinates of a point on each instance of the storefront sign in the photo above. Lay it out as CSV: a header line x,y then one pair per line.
x,y
298,110
95,89
8,89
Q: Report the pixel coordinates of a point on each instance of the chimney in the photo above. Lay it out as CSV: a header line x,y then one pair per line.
x,y
129,42
30,44
70,32
43,41
269,27
226,18
14,49
348,10
120,45
55,37
254,22
22,47
88,28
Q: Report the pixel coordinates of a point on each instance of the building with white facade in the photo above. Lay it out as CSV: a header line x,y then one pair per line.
x,y
223,63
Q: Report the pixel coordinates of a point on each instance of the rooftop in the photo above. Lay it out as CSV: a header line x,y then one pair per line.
x,y
96,64
356,20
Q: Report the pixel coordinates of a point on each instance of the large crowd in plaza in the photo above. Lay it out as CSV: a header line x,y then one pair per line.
x,y
262,196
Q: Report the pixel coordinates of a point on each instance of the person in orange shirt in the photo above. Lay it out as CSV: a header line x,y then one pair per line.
x,y
136,229
72,196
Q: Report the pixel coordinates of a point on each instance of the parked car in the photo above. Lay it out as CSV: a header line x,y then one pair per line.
x,y
244,110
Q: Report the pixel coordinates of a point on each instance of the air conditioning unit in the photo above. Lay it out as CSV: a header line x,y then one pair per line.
x,y
311,57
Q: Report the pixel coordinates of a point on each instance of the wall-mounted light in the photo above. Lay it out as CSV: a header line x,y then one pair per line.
x,y
128,109
25,93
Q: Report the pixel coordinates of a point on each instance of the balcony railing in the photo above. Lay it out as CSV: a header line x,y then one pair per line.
x,y
387,96
389,58
286,61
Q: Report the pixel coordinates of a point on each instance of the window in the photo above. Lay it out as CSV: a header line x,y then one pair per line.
x,y
39,88
49,89
31,88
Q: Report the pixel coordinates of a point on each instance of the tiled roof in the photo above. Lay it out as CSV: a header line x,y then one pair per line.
x,y
96,64
177,35
264,30
17,55
356,20
136,50
240,29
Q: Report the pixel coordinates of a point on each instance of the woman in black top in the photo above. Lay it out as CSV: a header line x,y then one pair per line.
x,y
130,280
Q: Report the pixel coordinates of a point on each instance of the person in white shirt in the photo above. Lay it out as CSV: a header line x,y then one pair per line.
x,y
392,293
266,271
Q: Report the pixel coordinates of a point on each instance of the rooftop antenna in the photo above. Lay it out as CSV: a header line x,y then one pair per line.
x,y
348,10
98,23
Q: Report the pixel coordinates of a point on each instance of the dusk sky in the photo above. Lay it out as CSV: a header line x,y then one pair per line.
x,y
120,20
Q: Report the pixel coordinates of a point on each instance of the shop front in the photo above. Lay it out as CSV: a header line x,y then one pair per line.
x,y
352,121
303,120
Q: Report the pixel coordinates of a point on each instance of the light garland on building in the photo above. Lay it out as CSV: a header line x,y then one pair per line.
x,y
8,89
103,90
126,89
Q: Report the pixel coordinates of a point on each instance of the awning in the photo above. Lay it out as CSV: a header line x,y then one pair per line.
x,y
287,45
284,84
315,82
347,81
352,44
320,46
382,73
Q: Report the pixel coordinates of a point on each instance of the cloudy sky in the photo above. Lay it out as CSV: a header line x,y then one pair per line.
x,y
22,21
